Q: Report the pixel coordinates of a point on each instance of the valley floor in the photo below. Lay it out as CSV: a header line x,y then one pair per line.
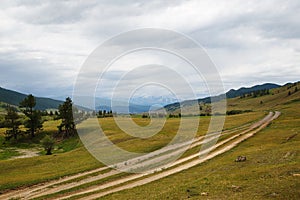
x,y
103,181
269,142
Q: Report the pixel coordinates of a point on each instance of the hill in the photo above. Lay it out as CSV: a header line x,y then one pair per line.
x,y
236,93
174,107
14,98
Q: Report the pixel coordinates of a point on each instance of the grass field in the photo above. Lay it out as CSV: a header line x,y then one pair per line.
x,y
69,157
44,168
271,170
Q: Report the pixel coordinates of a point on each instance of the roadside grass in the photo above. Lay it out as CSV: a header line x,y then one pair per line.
x,y
83,177
194,191
269,172
161,139
273,157
233,121
71,157
83,186
29,171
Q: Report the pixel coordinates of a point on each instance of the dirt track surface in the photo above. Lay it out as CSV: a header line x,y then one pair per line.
x,y
26,153
102,189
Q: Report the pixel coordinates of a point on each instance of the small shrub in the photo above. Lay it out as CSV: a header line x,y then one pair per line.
x,y
48,143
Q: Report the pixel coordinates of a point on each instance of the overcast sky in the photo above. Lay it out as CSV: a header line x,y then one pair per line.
x,y
43,44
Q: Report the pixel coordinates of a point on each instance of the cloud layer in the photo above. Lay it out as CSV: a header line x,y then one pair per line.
x,y
44,43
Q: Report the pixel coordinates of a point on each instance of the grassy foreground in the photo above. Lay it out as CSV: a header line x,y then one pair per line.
x,y
272,169
28,171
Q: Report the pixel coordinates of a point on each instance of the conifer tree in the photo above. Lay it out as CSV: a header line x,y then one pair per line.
x,y
12,122
67,125
34,121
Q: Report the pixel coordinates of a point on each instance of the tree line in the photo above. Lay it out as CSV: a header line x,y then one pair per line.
x,y
256,93
104,113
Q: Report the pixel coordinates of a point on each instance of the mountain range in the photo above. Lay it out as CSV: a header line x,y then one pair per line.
x,y
230,94
137,105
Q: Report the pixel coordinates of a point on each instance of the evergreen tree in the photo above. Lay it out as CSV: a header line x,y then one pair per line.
x,y
67,125
34,122
12,122
100,113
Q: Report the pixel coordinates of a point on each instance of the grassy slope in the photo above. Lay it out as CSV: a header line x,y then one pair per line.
x,y
269,172
21,172
194,181
14,98
27,171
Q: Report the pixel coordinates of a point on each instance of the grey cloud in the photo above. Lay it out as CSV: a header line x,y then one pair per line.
x,y
161,77
249,34
276,19
33,76
49,12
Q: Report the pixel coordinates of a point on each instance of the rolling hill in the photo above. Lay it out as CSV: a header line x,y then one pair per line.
x,y
14,98
174,107
236,93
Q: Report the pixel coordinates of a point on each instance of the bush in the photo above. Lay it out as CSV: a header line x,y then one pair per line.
x,y
48,143
235,112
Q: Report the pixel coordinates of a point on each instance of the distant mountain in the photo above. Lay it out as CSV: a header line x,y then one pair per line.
x,y
14,98
152,100
236,93
124,107
230,94
119,106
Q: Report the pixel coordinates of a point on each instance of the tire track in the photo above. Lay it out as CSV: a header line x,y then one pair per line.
x,y
51,188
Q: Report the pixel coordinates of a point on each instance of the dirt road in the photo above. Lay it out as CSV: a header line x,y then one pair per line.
x,y
66,183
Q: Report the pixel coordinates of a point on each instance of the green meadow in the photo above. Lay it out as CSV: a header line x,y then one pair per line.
x,y
272,168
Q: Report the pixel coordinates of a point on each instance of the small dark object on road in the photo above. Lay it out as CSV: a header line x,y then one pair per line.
x,y
240,159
